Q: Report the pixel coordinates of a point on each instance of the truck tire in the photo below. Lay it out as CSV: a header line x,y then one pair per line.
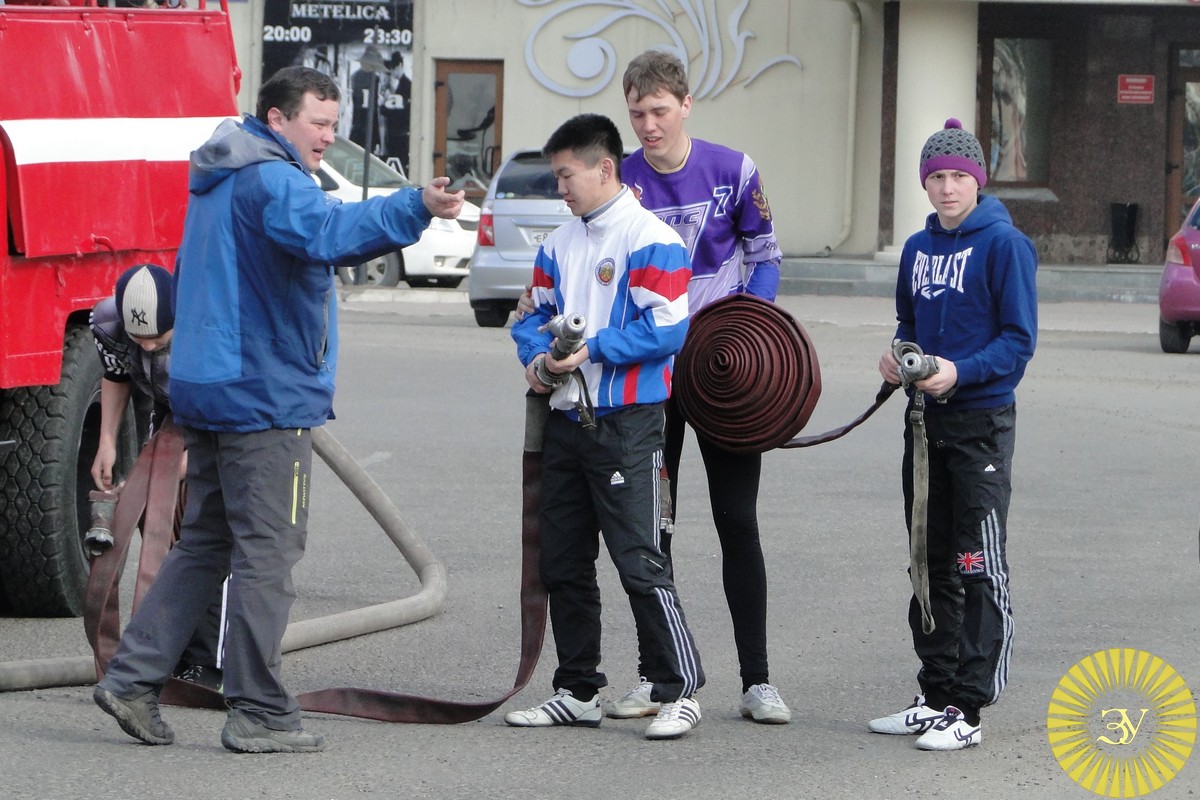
x,y
44,509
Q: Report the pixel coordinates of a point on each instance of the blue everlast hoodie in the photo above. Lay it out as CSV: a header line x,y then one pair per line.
x,y
969,295
255,343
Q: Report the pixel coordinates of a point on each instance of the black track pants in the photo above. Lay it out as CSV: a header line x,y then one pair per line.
x,y
965,660
606,481
733,480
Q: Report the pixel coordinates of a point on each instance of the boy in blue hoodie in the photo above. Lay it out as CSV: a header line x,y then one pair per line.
x,y
966,295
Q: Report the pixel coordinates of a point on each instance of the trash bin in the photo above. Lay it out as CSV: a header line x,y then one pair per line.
x,y
1122,243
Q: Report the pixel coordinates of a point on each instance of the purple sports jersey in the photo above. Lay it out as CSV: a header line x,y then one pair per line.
x,y
715,202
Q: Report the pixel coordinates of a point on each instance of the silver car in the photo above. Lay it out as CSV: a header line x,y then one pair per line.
x,y
522,207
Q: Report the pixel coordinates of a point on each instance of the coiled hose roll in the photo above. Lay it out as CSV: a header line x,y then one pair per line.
x,y
748,378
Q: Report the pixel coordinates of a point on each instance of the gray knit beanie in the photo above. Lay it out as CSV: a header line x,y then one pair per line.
x,y
953,148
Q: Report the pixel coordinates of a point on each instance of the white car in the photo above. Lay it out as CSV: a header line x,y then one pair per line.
x,y
439,258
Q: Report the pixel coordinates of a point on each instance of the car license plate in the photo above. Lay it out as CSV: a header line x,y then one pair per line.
x,y
538,235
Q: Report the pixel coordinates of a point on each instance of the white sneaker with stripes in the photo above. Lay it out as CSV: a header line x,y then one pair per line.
x,y
674,719
562,709
952,732
917,718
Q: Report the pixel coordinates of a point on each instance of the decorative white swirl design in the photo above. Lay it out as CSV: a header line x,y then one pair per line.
x,y
593,59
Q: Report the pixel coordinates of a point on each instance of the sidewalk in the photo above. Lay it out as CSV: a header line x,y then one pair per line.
x,y
1113,317
835,275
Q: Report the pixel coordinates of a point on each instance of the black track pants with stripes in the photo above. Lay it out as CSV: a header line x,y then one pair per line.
x,y
605,482
965,660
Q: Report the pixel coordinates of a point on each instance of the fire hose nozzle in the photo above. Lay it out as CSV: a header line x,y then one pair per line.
x,y
99,537
914,364
567,330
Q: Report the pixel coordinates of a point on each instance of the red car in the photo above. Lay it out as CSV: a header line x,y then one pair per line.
x,y
1179,292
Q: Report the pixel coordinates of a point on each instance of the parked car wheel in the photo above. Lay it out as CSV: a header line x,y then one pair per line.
x,y
491,316
1174,338
385,271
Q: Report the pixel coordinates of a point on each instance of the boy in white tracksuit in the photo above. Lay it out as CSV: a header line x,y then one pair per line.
x,y
626,272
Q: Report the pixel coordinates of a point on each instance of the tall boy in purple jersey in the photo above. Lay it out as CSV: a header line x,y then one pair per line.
x,y
713,197
966,294
627,274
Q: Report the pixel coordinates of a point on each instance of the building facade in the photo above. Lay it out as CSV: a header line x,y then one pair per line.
x,y
1088,112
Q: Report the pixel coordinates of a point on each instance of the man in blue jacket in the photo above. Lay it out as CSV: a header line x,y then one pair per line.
x,y
967,296
255,349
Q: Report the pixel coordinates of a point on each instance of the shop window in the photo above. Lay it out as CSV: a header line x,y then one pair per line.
x,y
1015,75
467,124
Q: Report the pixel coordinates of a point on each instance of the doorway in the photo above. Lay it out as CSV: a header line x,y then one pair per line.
x,y
469,102
1183,126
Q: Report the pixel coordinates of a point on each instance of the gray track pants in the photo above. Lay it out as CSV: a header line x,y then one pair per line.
x,y
247,517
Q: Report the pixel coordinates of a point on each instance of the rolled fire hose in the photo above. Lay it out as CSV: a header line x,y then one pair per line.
x,y
748,378
75,671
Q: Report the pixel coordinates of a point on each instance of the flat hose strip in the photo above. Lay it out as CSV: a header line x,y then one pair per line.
x,y
748,377
152,487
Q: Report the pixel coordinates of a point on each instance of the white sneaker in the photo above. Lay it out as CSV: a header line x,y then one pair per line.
x,y
562,709
762,703
952,732
635,703
917,718
674,719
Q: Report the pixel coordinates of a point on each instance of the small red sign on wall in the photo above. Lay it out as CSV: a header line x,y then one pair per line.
x,y
1135,88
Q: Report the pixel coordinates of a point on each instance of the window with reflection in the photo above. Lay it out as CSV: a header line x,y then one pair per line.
x,y
1015,76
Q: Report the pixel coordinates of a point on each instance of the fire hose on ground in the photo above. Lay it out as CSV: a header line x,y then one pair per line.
x,y
75,671
152,489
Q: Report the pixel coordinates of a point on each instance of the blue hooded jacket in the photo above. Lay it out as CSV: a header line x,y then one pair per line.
x,y
255,343
969,295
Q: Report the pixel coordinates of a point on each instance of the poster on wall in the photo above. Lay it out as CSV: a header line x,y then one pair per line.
x,y
366,47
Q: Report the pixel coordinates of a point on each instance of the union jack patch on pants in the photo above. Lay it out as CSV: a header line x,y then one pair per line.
x,y
970,563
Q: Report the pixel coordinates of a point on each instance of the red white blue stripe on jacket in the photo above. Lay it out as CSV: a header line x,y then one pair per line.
x,y
627,272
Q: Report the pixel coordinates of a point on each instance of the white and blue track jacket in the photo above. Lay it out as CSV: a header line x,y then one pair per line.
x,y
627,273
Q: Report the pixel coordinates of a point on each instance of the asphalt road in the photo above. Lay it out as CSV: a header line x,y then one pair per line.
x,y
1103,548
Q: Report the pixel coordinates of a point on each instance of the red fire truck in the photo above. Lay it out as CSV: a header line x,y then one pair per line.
x,y
100,109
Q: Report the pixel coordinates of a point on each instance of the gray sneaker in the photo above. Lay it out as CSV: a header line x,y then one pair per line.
x,y
138,717
243,735
762,703
636,703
